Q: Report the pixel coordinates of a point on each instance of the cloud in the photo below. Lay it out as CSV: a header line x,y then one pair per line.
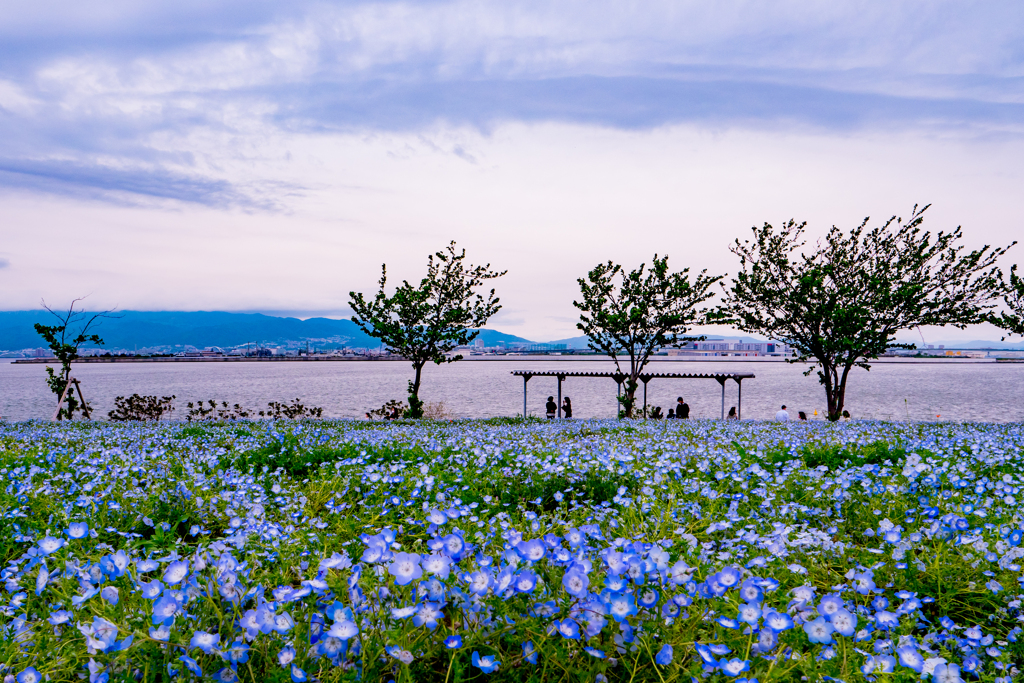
x,y
120,185
187,90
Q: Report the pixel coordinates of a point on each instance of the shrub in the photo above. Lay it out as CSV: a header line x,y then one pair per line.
x,y
138,408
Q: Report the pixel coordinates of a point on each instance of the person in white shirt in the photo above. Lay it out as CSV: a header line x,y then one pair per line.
x,y
782,415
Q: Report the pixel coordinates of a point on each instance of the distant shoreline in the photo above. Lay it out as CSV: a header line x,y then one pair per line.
x,y
519,359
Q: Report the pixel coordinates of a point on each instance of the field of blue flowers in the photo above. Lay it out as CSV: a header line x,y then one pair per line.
x,y
511,551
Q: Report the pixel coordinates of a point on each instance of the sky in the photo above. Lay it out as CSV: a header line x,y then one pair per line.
x,y
267,156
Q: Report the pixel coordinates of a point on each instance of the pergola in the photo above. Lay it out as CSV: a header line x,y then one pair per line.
x,y
646,377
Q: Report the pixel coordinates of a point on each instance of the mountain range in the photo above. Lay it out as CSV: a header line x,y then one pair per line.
x,y
139,329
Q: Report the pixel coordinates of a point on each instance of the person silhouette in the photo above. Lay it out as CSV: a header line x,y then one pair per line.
x,y
682,409
732,414
551,408
566,408
782,415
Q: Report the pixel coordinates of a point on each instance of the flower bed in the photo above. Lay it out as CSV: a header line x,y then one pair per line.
x,y
503,550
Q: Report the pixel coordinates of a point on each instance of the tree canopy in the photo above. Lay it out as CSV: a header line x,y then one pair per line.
x,y
840,304
1011,318
424,322
632,314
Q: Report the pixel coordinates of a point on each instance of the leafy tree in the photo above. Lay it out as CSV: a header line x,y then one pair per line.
x,y
841,305
1012,319
425,321
64,340
633,314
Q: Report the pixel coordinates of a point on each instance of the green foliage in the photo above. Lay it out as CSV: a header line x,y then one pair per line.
x,y
424,322
841,305
632,314
136,408
832,456
1012,318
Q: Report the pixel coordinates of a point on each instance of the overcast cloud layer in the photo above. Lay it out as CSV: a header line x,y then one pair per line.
x,y
254,156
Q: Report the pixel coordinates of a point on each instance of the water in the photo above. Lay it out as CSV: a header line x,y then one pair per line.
x,y
484,388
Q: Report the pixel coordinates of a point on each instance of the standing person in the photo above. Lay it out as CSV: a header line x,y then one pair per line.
x,y
551,408
782,415
671,414
566,408
802,415
682,409
732,414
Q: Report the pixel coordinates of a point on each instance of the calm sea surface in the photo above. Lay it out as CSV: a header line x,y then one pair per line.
x,y
484,388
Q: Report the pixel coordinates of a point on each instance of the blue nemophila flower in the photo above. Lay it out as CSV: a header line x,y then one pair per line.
x,y
110,594
819,630
533,550
568,628
529,652
286,655
886,620
403,612
664,656
30,675
226,675
165,609
487,663
236,653
343,630
621,606
830,604
151,590
910,657
191,664
1015,537
427,615
525,581
405,567
453,642
438,565
399,653
946,673
175,572
706,655
61,616
575,582
649,598
77,530
594,652
728,577
844,622
207,642
49,544
298,675
749,613
479,582
734,667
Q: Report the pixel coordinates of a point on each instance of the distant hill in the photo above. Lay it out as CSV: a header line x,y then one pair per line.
x,y
139,329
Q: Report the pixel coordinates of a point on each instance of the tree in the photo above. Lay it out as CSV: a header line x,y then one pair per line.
x,y
633,314
424,322
1012,319
841,305
64,340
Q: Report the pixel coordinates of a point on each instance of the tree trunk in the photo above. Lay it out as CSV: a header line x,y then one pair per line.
x,y
415,404
628,399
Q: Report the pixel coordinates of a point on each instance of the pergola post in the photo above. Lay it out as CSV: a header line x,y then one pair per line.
x,y
739,398
526,378
560,378
721,380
